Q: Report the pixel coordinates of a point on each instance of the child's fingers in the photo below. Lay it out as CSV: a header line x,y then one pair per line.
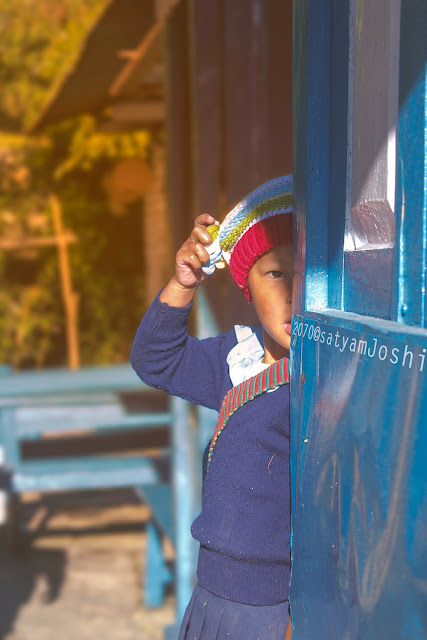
x,y
200,252
190,259
194,253
205,219
201,234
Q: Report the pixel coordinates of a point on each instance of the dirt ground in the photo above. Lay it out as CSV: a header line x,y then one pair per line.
x,y
82,576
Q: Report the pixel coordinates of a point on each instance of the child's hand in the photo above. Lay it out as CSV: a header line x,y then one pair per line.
x,y
192,254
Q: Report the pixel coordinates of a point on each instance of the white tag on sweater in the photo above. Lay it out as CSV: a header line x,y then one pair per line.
x,y
244,359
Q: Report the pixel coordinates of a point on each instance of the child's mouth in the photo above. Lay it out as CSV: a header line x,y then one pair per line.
x,y
288,327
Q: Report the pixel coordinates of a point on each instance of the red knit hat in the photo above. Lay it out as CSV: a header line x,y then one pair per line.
x,y
260,222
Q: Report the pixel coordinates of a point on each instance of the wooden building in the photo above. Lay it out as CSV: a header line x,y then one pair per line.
x,y
211,80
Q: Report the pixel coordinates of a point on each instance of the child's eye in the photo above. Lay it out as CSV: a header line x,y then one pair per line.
x,y
276,274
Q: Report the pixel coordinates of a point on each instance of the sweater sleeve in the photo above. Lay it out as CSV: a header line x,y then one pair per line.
x,y
166,357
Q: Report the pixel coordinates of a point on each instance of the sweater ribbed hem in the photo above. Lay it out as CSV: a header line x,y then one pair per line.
x,y
175,316
254,583
161,313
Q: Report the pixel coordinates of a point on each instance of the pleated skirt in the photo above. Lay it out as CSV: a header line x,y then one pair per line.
x,y
210,617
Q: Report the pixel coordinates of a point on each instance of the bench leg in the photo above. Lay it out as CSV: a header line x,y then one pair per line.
x,y
17,540
157,573
171,632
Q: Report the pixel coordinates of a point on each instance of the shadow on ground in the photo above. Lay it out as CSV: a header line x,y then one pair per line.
x,y
19,575
82,573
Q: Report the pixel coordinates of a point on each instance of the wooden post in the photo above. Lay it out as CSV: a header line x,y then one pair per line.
x,y
158,256
69,296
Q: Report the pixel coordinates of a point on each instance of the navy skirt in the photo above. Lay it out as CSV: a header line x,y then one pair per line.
x,y
210,617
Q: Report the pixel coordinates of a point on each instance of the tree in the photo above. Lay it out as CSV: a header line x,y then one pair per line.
x,y
39,41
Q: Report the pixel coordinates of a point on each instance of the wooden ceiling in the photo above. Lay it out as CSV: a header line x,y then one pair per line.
x,y
119,74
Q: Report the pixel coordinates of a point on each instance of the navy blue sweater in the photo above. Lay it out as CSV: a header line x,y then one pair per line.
x,y
244,525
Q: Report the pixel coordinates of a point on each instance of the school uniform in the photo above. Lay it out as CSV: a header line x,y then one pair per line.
x,y
244,527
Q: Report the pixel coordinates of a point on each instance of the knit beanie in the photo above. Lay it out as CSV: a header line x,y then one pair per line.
x,y
258,223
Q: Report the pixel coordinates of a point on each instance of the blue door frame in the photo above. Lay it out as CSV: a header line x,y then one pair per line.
x,y
358,382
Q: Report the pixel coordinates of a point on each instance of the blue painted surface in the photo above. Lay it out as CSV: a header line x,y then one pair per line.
x,y
411,186
59,400
359,510
86,380
206,327
368,278
359,419
88,472
160,496
158,573
337,84
33,422
318,128
185,452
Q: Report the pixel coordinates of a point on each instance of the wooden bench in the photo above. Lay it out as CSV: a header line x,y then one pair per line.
x,y
58,401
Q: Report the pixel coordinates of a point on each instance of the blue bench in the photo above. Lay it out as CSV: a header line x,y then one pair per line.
x,y
34,404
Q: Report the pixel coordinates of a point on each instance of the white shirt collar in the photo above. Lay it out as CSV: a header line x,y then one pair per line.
x,y
244,359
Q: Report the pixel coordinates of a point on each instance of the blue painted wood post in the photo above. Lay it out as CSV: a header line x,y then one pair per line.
x,y
358,385
206,327
10,441
189,440
157,573
409,294
184,449
5,370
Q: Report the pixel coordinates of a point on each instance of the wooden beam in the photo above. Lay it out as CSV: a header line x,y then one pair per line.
x,y
13,244
148,51
85,86
127,54
69,296
258,108
164,7
137,112
179,127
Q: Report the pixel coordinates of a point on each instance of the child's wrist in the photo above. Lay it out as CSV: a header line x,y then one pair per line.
x,y
182,287
176,294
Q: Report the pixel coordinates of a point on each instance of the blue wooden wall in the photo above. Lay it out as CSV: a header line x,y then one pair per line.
x,y
359,376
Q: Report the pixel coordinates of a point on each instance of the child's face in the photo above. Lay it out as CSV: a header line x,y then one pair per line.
x,y
270,285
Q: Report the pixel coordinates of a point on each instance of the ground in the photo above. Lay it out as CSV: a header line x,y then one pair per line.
x,y
82,576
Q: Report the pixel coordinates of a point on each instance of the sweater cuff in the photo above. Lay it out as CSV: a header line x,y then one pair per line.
x,y
162,313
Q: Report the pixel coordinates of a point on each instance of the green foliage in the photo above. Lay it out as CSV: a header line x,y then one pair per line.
x,y
39,42
110,294
105,266
88,147
30,323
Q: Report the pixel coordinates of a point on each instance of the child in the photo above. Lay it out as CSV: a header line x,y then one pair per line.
x,y
244,526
